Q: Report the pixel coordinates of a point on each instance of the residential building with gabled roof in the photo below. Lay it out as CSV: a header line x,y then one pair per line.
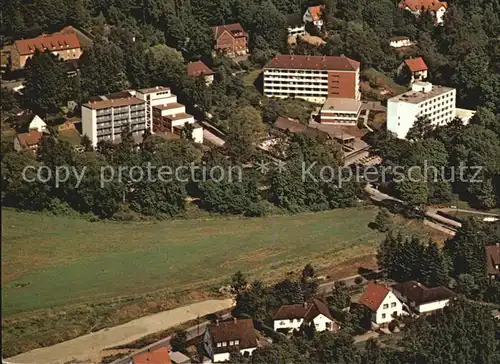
x,y
313,14
435,7
420,299
493,261
230,40
382,302
224,337
153,356
315,312
416,67
295,26
200,69
29,141
66,46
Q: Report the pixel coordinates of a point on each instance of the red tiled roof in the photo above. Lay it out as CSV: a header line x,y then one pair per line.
x,y
374,295
237,329
329,63
316,12
196,69
234,29
416,64
54,42
493,258
158,356
27,140
415,5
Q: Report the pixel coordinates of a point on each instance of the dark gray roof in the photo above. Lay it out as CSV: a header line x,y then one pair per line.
x,y
293,20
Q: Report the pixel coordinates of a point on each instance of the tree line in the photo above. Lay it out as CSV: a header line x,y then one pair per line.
x,y
437,338
461,264
127,195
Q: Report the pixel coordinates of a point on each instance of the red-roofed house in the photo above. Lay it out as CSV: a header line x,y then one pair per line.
x,y
157,356
230,40
313,15
66,46
200,69
382,302
435,7
415,66
493,261
28,141
291,317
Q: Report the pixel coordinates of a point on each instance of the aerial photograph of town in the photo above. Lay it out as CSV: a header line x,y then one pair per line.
x,y
250,181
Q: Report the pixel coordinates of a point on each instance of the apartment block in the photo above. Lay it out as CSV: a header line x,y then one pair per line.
x,y
165,114
425,99
105,117
155,96
312,78
154,109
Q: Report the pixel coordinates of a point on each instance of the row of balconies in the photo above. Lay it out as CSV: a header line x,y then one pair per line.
x,y
293,71
297,90
289,86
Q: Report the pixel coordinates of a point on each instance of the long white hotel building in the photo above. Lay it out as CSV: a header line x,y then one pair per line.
x,y
424,99
313,78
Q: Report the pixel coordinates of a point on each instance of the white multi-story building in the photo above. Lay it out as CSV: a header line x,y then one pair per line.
x,y
105,117
425,99
155,96
312,78
154,109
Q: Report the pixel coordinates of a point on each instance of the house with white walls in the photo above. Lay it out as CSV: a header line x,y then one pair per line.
x,y
314,14
435,7
400,42
224,337
315,312
419,299
382,302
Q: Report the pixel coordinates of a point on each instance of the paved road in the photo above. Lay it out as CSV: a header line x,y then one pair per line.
x,y
88,348
191,333
194,331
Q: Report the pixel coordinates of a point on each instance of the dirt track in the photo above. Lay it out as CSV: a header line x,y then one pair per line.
x,y
87,348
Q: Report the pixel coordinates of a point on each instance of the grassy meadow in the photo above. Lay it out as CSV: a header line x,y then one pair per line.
x,y
64,276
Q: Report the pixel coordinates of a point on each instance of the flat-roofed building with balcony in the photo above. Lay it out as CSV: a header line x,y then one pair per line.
x,y
424,100
154,96
340,111
312,78
105,117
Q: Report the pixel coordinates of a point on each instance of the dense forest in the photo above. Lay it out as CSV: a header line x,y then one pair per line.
x,y
148,44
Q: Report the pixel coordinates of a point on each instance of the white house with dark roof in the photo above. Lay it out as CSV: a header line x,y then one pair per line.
x,y
222,338
420,299
292,317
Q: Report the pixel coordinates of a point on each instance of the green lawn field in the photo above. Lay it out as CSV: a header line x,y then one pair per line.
x,y
50,264
51,261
